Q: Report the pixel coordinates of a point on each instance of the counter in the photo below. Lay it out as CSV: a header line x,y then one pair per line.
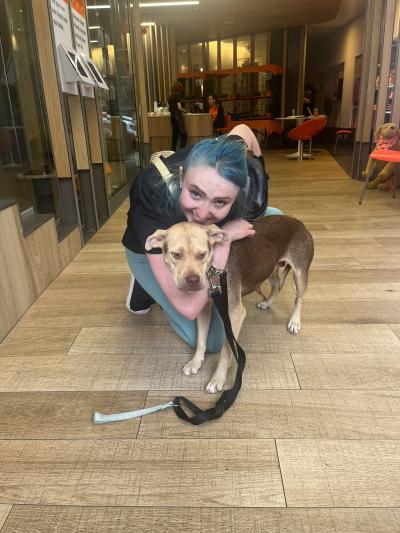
x,y
198,126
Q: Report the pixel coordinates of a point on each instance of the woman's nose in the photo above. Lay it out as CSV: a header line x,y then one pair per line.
x,y
203,210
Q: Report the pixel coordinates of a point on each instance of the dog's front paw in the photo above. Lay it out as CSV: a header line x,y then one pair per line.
x,y
263,305
216,384
192,367
294,326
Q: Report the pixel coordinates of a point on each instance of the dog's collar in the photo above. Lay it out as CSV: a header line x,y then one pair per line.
x,y
214,279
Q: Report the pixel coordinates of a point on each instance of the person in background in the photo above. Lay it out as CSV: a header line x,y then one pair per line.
x,y
177,111
309,99
216,111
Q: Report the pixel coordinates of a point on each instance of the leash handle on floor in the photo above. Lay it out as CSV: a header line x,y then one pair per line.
x,y
227,398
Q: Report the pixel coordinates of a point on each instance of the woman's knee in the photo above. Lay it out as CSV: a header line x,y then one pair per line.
x,y
273,211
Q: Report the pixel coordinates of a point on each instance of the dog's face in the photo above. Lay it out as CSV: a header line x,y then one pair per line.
x,y
187,250
387,131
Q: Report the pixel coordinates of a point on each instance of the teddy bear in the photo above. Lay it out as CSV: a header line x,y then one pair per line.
x,y
387,137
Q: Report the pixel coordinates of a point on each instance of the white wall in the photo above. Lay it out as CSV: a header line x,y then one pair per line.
x,y
341,47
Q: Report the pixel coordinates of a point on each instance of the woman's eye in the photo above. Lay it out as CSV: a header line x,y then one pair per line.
x,y
195,195
176,255
220,203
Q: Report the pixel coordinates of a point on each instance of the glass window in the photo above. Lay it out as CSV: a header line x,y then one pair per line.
x,y
260,49
213,55
183,58
243,51
110,42
26,157
226,54
196,56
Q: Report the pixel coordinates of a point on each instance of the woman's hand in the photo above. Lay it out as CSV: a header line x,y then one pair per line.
x,y
238,229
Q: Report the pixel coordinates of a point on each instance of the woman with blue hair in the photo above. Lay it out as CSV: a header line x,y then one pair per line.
x,y
218,181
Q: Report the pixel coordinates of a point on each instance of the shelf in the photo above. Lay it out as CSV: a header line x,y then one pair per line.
x,y
273,69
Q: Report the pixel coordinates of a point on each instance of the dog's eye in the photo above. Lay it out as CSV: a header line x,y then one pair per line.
x,y
176,255
202,256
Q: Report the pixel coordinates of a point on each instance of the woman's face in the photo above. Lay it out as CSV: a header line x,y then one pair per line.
x,y
206,196
211,100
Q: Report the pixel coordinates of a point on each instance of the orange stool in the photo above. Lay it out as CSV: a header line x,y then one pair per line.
x,y
341,134
305,132
390,156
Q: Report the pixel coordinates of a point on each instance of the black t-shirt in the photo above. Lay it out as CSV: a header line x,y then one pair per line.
x,y
173,100
150,210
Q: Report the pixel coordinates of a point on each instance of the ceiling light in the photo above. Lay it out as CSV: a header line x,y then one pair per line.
x,y
94,27
94,41
147,23
167,4
102,6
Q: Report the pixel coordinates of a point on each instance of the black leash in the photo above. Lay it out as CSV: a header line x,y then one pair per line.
x,y
219,296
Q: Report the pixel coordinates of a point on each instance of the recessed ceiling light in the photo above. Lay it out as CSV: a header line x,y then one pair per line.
x,y
147,23
102,6
169,4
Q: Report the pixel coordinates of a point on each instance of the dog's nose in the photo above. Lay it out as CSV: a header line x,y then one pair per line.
x,y
193,281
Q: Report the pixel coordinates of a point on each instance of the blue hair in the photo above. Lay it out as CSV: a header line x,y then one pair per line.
x,y
227,155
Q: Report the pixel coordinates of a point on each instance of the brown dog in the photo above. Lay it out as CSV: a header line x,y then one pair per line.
x,y
280,244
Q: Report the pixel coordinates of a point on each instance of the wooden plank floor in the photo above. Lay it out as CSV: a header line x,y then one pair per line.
x,y
313,441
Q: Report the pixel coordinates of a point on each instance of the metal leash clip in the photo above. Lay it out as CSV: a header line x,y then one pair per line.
x,y
100,418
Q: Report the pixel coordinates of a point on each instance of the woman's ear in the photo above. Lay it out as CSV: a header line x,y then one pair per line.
x,y
180,176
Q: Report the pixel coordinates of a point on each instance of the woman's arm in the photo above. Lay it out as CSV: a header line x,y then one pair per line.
x,y
251,140
190,304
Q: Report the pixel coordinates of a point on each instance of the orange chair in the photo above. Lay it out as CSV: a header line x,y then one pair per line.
x,y
305,132
341,134
227,125
390,156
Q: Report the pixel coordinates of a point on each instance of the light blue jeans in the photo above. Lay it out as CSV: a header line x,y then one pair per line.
x,y
185,328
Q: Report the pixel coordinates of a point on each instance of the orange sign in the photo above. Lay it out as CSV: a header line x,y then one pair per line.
x,y
79,6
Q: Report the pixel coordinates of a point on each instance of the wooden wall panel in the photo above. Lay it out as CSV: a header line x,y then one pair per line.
x,y
16,285
28,264
78,132
69,247
93,130
47,62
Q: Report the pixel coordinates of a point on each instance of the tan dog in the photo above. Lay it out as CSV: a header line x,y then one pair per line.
x,y
386,137
281,243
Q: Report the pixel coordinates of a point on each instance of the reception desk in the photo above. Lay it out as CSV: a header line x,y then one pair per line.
x,y
198,126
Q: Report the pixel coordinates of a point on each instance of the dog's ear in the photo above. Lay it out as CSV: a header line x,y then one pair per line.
x,y
156,240
216,234
377,133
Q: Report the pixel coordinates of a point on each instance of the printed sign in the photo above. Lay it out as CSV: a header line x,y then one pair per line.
x,y
62,35
65,33
81,35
